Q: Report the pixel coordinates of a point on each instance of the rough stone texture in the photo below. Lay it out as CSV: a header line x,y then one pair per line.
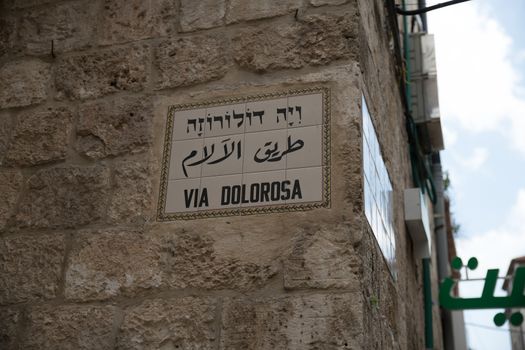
x,y
112,263
125,20
6,126
245,10
115,127
11,182
30,267
322,258
23,83
316,40
69,25
303,322
70,327
191,60
192,262
327,2
201,14
40,137
185,323
132,193
9,322
64,197
7,35
383,316
17,4
102,72
109,263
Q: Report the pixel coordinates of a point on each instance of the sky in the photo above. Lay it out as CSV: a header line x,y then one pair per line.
x,y
480,53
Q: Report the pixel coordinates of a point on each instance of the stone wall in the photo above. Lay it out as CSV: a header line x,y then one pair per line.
x,y
84,92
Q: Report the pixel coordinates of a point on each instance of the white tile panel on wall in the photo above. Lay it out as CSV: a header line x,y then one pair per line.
x,y
378,192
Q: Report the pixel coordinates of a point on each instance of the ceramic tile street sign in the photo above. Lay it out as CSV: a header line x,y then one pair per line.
x,y
254,154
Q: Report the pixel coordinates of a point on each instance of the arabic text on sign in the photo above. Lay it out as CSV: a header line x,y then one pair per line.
x,y
269,152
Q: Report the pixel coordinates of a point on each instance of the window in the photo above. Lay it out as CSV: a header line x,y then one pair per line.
x,y
378,192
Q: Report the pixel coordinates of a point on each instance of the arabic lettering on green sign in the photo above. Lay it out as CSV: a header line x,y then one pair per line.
x,y
516,299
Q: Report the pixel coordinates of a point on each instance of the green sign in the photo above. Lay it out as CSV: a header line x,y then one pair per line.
x,y
516,299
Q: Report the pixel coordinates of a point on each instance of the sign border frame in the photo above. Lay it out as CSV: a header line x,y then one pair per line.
x,y
275,208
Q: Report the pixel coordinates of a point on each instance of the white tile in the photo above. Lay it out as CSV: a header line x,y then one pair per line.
x,y
366,160
264,115
263,151
377,220
382,240
307,110
367,125
368,200
227,155
189,124
183,154
309,182
305,147
183,196
225,120
373,222
223,191
263,189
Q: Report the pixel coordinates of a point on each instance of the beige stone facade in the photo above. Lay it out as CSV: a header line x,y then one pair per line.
x,y
85,88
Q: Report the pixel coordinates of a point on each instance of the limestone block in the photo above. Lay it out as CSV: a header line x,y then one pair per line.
x,y
70,327
64,197
115,127
30,267
322,258
102,72
191,60
266,48
245,10
109,263
23,83
10,320
184,323
69,25
10,186
132,193
297,322
315,40
125,20
192,262
40,137
201,14
327,2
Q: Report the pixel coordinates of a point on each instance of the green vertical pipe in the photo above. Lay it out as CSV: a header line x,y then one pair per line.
x,y
406,50
427,293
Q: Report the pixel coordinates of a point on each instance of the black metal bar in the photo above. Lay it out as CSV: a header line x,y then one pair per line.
x,y
400,11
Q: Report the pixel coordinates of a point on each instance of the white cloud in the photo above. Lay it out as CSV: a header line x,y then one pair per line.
x,y
476,159
465,164
520,56
494,247
478,84
450,136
